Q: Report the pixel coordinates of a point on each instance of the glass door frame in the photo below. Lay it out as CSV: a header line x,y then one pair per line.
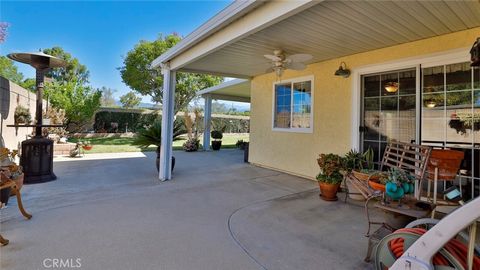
x,y
418,107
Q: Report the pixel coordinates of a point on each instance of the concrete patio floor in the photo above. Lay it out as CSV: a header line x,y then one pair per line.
x,y
217,213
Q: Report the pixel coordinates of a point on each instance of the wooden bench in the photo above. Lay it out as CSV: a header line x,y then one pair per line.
x,y
412,158
13,186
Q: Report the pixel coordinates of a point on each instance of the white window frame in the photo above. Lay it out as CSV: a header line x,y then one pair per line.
x,y
312,91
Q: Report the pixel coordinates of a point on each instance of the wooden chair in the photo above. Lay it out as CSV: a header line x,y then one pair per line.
x,y
13,186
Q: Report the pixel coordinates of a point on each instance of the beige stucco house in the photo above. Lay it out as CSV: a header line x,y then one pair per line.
x,y
419,47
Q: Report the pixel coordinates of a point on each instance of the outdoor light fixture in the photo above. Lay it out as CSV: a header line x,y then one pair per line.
x,y
475,53
37,153
391,87
342,70
430,104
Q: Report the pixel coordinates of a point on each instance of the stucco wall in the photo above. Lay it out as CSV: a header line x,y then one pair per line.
x,y
296,153
12,95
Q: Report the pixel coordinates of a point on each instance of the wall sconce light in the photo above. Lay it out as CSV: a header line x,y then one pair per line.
x,y
391,87
430,104
342,70
475,53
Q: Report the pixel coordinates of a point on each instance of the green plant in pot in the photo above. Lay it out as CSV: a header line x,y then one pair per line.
x,y
361,165
152,135
398,184
217,136
330,176
22,115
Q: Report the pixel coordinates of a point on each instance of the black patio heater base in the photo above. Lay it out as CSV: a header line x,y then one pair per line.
x,y
37,160
37,153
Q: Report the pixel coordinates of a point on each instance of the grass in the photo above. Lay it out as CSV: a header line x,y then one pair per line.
x,y
118,145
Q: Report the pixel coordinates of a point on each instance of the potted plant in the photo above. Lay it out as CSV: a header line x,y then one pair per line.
x,y
152,135
363,167
191,145
87,146
241,144
330,175
398,184
217,136
22,115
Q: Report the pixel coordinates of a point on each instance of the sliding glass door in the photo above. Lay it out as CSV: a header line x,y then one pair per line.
x,y
451,116
448,115
389,109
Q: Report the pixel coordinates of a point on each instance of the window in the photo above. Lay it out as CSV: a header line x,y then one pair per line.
x,y
293,105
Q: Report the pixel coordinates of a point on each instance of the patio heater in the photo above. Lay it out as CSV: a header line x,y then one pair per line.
x,y
37,153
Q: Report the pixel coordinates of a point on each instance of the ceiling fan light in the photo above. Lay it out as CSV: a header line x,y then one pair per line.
x,y
342,71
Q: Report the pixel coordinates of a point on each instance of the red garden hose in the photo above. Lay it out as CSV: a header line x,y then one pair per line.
x,y
456,248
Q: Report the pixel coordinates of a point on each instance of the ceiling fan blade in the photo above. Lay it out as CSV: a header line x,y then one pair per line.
x,y
297,66
301,57
272,57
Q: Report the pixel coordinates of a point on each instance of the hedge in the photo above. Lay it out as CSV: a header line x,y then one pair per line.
x,y
136,120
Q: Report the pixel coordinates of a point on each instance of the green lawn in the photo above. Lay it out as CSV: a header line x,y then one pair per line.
x,y
118,145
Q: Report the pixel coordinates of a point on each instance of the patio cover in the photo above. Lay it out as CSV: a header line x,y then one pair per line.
x,y
233,42
233,90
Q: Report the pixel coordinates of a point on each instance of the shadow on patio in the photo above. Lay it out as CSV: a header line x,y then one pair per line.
x,y
217,213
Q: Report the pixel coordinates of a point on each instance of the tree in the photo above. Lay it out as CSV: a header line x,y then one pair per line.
x,y
137,73
80,102
107,97
29,84
130,100
9,71
74,71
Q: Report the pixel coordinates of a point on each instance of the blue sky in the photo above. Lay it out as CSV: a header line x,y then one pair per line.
x,y
98,33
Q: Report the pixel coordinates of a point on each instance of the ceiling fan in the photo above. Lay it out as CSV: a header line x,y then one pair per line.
x,y
280,61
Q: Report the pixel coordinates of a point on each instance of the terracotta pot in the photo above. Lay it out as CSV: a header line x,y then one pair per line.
x,y
376,185
448,163
328,192
87,147
365,176
19,182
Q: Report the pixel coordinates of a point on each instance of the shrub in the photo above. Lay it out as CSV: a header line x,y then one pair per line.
x,y
216,134
330,168
191,145
114,121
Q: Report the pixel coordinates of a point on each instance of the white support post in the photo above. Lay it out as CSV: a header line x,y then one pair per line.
x,y
206,121
168,104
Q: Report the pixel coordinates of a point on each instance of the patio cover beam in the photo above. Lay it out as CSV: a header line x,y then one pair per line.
x,y
207,121
168,114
